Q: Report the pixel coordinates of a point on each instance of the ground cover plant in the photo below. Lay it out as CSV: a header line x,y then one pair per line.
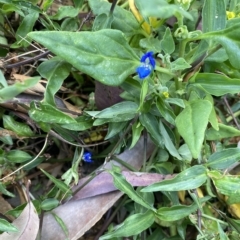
x,y
120,120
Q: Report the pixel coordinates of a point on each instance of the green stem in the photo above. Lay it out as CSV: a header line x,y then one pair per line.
x,y
230,118
164,70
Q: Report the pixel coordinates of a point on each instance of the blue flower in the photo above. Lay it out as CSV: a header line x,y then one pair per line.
x,y
147,65
87,157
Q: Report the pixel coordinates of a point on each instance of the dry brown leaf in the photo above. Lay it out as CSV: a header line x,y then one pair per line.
x,y
80,215
27,224
103,183
4,207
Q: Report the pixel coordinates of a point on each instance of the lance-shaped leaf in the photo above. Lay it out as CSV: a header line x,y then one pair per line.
x,y
191,178
104,55
133,225
229,39
216,84
192,122
224,158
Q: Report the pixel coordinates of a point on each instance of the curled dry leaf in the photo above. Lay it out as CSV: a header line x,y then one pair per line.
x,y
27,224
80,215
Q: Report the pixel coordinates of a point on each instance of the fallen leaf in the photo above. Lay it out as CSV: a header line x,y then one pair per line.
x,y
80,215
27,224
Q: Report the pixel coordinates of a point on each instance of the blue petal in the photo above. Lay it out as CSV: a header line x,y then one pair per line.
x,y
147,55
144,71
152,62
87,157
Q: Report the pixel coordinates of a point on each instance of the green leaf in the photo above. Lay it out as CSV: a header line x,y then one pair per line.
x,y
165,111
82,123
18,156
167,43
228,185
5,226
43,112
152,126
216,84
160,9
123,20
104,55
175,101
144,91
3,190
175,213
55,71
223,159
122,111
65,11
192,123
137,128
61,185
179,64
21,129
151,44
124,186
49,204
61,224
229,39
10,92
3,82
223,132
190,178
213,15
114,128
25,27
102,21
168,143
213,116
133,225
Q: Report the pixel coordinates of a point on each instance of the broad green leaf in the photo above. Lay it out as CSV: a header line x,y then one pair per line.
x,y
124,186
61,185
152,126
65,11
25,27
5,226
49,204
114,128
18,156
228,185
167,43
10,92
229,39
224,158
213,15
176,212
44,112
160,9
104,55
222,234
179,64
216,84
192,123
55,71
168,143
21,129
133,225
223,132
151,44
82,123
123,20
102,21
123,110
190,178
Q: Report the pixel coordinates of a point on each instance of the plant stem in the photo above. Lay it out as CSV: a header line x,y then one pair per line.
x,y
164,70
